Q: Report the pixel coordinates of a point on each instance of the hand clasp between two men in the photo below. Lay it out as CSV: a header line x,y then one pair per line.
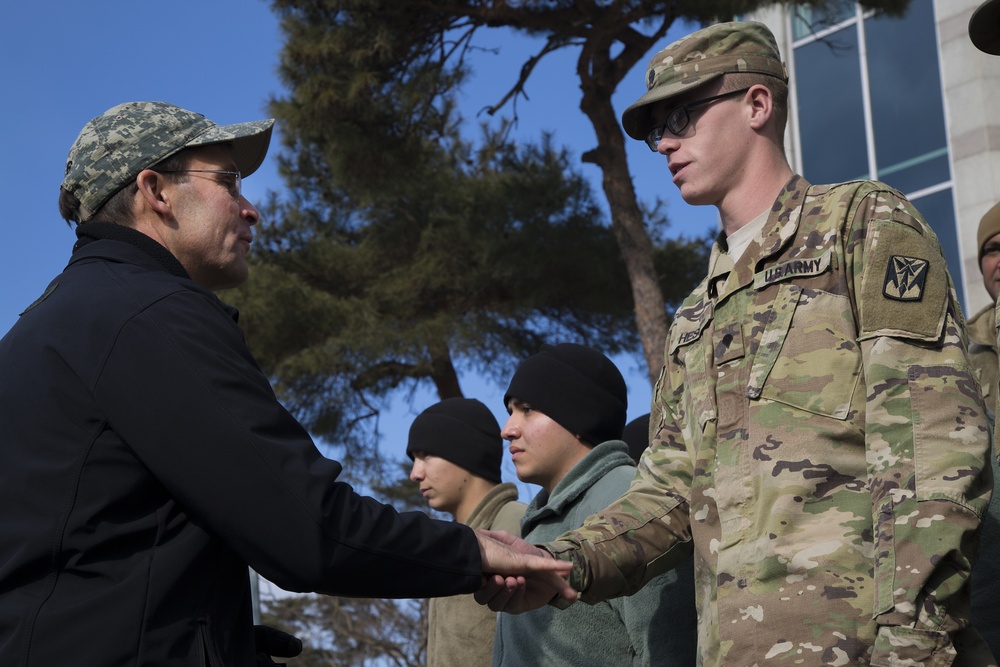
x,y
518,576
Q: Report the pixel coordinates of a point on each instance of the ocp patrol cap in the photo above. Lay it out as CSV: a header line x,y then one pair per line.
x,y
114,147
989,226
701,57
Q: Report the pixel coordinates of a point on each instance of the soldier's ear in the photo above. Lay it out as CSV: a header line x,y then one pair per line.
x,y
761,106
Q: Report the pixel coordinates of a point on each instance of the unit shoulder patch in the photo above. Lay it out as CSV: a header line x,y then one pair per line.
x,y
905,284
905,278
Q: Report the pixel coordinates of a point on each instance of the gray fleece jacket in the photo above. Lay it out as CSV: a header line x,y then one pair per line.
x,y
656,626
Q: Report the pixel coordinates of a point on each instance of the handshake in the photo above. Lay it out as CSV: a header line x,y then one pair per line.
x,y
518,576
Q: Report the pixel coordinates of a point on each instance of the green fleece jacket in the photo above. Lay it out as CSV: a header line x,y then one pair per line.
x,y
459,630
656,626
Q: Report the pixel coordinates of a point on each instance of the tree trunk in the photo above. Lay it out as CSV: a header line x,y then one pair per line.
x,y
627,223
443,372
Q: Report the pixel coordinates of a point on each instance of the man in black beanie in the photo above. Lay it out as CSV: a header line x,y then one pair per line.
x,y
567,407
456,450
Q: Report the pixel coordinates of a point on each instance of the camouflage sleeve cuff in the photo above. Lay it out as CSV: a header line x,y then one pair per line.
x,y
560,550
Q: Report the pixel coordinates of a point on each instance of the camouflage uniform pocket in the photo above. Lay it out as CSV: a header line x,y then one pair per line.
x,y
808,356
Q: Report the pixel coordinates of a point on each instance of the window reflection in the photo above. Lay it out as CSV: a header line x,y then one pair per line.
x,y
808,20
831,110
911,148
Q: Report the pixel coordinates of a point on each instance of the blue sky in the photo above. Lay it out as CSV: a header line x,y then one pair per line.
x,y
68,61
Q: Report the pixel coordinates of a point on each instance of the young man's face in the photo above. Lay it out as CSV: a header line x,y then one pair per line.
x,y
442,483
212,223
990,266
541,449
706,160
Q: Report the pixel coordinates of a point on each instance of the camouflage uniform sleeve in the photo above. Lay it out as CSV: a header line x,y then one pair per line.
x,y
926,434
645,532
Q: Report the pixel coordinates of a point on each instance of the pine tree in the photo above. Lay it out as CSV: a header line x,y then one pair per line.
x,y
369,75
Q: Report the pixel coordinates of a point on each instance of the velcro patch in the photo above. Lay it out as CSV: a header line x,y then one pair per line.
x,y
905,278
905,285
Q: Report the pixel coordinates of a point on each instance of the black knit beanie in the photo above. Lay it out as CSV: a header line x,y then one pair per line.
x,y
579,388
460,430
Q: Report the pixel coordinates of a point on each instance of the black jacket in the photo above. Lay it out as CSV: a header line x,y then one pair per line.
x,y
145,463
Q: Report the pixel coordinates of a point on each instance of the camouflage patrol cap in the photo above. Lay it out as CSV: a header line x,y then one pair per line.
x,y
114,147
984,27
699,58
989,226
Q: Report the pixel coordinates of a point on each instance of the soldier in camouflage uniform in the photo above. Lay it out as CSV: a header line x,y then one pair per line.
x,y
983,354
984,32
981,328
818,436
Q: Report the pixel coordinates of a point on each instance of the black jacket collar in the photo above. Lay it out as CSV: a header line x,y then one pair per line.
x,y
96,231
100,231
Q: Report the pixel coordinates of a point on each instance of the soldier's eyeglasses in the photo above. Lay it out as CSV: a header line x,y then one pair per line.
x,y
235,186
680,117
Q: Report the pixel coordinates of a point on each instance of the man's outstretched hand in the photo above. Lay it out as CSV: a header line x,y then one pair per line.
x,y
518,576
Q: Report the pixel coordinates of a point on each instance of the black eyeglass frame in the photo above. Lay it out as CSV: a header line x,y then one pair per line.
x,y
235,174
680,117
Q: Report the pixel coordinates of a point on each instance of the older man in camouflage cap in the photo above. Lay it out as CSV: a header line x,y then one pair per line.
x,y
114,147
146,461
819,440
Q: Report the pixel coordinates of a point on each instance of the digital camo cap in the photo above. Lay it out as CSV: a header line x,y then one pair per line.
x,y
114,147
